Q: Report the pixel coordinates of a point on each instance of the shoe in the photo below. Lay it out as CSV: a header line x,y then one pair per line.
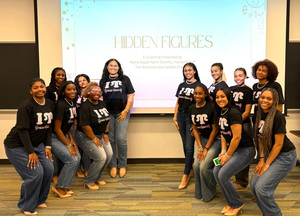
x,y
57,193
29,213
191,174
184,182
239,187
101,182
122,172
68,191
113,172
234,212
225,209
42,206
92,186
80,174
86,172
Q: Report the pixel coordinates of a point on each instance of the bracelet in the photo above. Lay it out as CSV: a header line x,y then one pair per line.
x,y
126,110
69,146
94,139
48,147
261,158
223,151
200,149
227,155
106,132
206,148
266,165
174,119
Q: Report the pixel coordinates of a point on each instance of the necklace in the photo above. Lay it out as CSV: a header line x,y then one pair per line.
x,y
71,104
92,102
261,86
224,112
187,82
42,104
113,77
202,105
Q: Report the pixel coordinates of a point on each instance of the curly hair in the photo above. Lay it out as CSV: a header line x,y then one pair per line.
x,y
76,81
272,69
88,88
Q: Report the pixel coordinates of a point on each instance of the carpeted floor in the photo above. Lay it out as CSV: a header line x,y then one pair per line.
x,y
147,189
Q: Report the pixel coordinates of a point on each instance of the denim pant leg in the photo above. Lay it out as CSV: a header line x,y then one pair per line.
x,y
70,163
241,158
97,154
187,139
242,177
108,151
263,187
33,189
118,140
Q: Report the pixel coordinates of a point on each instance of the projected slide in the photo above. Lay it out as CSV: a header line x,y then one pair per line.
x,y
154,39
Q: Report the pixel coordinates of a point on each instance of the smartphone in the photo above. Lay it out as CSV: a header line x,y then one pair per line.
x,y
217,161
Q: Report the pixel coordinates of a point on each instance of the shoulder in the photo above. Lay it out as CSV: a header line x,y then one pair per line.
x,y
254,87
275,85
279,116
234,111
222,84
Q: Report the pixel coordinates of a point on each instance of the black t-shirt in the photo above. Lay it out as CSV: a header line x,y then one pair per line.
x,y
212,90
65,111
115,93
257,89
242,96
230,117
95,116
203,118
34,119
279,127
185,95
52,95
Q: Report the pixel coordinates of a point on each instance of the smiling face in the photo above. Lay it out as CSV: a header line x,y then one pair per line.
x,y
60,76
189,73
113,69
262,73
199,95
70,92
266,101
239,77
82,82
221,99
38,90
216,73
95,94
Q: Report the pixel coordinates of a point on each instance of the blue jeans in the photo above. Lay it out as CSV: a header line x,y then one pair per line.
x,y
183,119
36,185
241,158
70,163
205,183
100,156
263,187
118,140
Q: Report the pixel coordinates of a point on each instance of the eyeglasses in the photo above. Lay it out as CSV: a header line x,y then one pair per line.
x,y
96,91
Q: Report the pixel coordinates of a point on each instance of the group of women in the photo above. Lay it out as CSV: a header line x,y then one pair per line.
x,y
219,118
62,120
84,123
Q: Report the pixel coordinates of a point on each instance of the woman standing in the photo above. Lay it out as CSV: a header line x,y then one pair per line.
x,y
242,96
92,135
181,118
28,147
217,74
118,94
81,82
237,149
209,146
63,144
277,153
266,72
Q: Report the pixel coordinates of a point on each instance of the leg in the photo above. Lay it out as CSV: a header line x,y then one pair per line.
x,y
263,187
112,140
70,163
208,182
108,152
196,166
121,140
96,154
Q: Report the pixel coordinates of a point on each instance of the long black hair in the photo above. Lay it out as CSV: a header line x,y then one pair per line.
x,y
76,81
196,75
105,73
52,81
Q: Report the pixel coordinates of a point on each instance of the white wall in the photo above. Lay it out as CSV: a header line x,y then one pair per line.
x,y
148,137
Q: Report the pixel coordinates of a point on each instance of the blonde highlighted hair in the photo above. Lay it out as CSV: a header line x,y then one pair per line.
x,y
89,87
